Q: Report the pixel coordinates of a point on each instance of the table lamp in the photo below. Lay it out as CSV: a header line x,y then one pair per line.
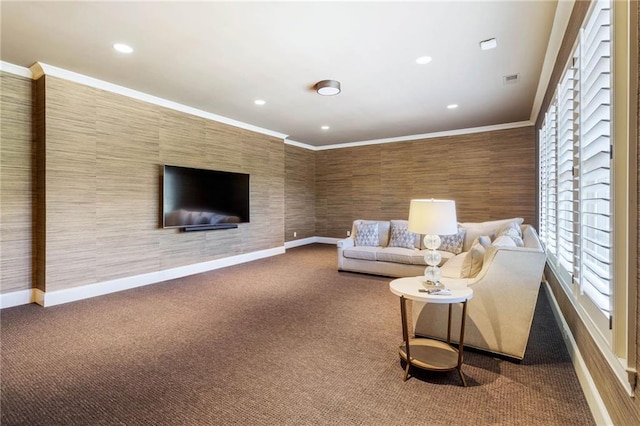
x,y
433,218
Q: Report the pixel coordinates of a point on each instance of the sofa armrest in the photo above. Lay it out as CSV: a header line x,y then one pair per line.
x,y
346,243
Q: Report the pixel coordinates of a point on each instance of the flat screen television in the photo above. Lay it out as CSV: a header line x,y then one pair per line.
x,y
196,199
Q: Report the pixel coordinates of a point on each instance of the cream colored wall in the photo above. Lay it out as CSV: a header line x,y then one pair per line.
x,y
103,154
15,183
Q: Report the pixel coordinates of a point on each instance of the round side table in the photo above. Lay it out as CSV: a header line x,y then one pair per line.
x,y
430,354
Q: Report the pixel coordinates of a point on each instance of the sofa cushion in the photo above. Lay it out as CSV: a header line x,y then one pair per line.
x,y
453,243
362,253
396,255
472,263
489,228
367,234
401,236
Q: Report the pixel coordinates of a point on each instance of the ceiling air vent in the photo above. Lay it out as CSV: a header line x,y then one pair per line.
x,y
511,79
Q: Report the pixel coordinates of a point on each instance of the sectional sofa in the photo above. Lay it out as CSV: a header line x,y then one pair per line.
x,y
502,261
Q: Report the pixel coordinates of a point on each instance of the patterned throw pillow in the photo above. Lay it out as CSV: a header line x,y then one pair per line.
x,y
400,235
367,234
453,243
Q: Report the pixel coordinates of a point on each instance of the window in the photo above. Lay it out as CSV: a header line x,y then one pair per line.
x,y
580,178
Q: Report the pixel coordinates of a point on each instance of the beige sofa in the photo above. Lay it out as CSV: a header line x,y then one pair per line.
x,y
382,259
506,286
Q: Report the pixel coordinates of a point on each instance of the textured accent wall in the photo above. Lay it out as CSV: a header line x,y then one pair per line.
x,y
15,183
102,172
490,175
300,191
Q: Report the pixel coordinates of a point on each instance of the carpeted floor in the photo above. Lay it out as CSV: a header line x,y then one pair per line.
x,y
286,340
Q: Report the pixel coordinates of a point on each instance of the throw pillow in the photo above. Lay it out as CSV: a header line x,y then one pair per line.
x,y
483,240
367,234
504,241
472,263
400,235
513,231
453,243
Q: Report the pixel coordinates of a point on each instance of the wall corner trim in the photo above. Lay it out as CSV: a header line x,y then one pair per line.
x,y
598,409
39,69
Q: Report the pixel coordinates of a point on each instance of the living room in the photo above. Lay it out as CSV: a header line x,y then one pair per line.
x,y
80,206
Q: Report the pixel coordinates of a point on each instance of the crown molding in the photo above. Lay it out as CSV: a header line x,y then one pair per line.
x,y
39,69
456,132
558,29
15,69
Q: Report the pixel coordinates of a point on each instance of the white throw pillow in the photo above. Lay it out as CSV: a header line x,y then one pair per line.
x,y
513,231
367,234
504,241
483,240
453,267
472,263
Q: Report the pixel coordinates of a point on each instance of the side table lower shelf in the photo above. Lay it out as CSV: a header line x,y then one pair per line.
x,y
434,355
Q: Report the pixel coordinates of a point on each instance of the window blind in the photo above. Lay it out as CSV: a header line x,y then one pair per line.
x,y
595,158
565,181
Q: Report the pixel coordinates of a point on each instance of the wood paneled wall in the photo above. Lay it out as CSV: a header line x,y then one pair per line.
x,y
103,155
15,183
300,193
490,175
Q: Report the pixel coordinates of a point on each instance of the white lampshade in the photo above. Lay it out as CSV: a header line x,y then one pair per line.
x,y
433,217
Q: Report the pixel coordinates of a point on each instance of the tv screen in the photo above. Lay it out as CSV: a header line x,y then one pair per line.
x,y
199,198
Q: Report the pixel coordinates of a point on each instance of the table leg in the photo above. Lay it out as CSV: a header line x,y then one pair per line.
x,y
460,348
405,335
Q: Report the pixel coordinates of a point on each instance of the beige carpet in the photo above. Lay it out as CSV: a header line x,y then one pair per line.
x,y
286,340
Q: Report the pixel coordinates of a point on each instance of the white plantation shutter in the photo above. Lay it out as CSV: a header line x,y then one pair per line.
x,y
565,201
552,180
595,273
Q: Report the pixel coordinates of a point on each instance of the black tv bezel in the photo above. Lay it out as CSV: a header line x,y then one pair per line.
x,y
203,227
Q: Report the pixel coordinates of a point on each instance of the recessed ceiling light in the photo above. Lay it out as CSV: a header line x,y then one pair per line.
x,y
123,48
452,106
423,60
325,127
491,43
259,102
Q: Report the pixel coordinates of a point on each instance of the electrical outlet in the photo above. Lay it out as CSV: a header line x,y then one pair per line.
x,y
348,233
295,234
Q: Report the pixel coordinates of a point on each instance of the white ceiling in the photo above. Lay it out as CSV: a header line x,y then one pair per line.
x,y
220,56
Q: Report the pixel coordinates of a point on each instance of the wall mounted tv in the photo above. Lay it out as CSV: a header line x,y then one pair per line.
x,y
199,199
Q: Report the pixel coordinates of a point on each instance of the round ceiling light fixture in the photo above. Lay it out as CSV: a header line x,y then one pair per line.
x,y
328,87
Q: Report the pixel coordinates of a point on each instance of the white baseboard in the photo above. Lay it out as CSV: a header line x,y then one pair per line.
x,y
310,240
52,298
17,298
57,297
596,405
